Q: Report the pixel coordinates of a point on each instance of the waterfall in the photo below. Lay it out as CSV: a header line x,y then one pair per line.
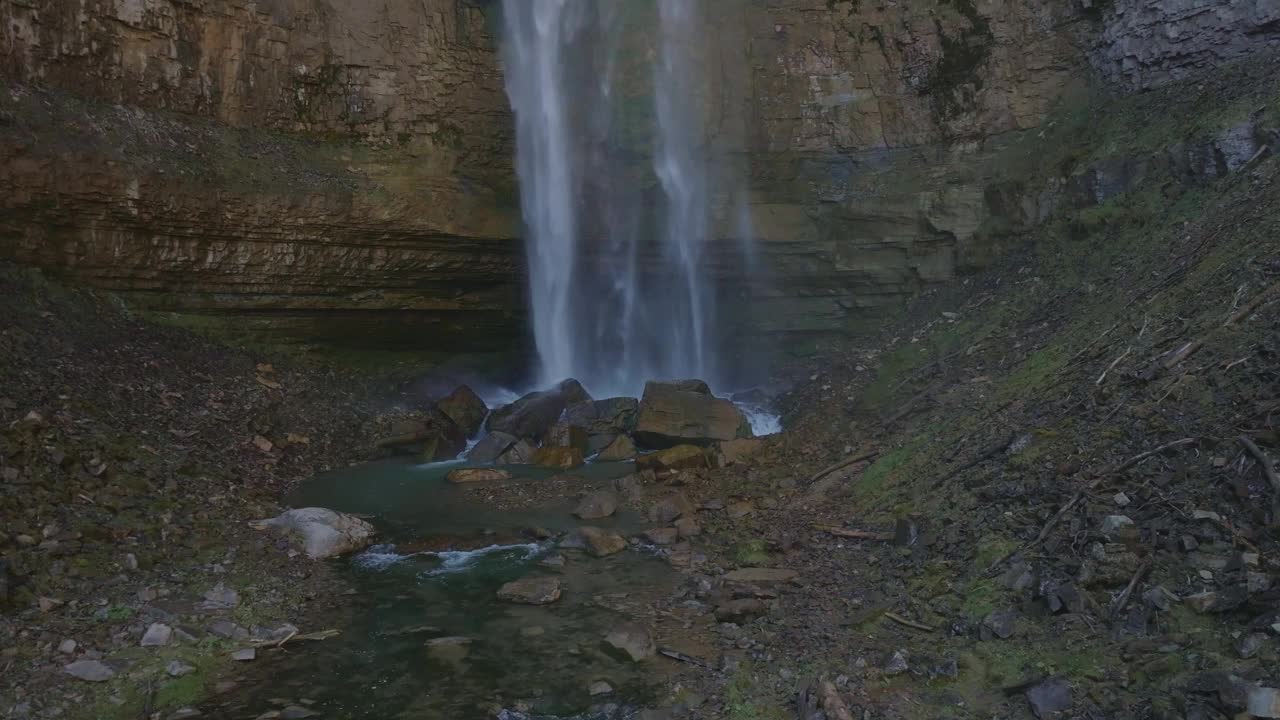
x,y
614,173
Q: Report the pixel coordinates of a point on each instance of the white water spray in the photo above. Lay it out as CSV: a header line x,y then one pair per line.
x,y
614,172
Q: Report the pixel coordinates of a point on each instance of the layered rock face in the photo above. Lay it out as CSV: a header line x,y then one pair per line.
x,y
341,172
334,172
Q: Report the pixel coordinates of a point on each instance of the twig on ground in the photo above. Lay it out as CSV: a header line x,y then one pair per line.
x,y
286,638
1044,532
909,623
1103,377
1268,467
854,534
860,457
1123,600
681,657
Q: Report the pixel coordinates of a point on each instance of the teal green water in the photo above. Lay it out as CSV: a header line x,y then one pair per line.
x,y
382,666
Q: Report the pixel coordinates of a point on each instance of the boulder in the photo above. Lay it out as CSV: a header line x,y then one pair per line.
x,y
531,591
597,505
432,436
680,457
662,536
521,453
491,447
614,416
477,475
622,448
563,434
563,458
465,409
533,415
671,508
600,542
324,533
737,452
597,443
631,641
686,412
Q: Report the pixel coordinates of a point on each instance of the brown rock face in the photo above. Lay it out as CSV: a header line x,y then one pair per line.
x,y
465,409
671,415
680,457
477,475
562,458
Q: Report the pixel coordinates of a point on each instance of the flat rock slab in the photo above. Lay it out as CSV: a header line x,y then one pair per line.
x,y
477,475
90,671
158,635
761,575
531,591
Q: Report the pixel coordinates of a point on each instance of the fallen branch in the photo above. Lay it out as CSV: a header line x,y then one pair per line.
x,y
1268,467
1182,353
1103,377
292,634
854,534
681,657
909,623
1044,532
1123,600
843,464
296,636
832,704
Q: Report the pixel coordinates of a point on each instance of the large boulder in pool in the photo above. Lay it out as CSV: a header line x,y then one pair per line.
x,y
533,415
685,412
465,409
613,416
491,447
432,436
324,533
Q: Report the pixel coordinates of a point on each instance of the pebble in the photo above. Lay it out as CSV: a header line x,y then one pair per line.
x,y
183,713
244,655
158,635
1114,523
599,687
297,712
1251,645
68,646
1121,499
177,668
897,664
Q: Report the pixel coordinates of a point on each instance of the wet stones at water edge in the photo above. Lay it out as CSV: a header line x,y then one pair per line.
x,y
531,591
680,457
324,533
534,414
602,543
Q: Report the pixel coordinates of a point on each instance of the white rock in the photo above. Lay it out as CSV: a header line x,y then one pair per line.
x,y
68,646
1264,702
1114,523
177,668
1122,500
244,655
158,635
325,533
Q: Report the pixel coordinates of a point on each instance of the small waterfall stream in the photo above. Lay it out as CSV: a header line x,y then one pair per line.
x,y
615,174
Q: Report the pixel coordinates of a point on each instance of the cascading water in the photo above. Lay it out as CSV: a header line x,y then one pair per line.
x,y
614,174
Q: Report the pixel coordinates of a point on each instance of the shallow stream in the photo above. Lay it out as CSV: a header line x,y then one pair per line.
x,y
486,654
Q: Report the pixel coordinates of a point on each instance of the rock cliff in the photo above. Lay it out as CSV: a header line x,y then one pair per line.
x,y
342,171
